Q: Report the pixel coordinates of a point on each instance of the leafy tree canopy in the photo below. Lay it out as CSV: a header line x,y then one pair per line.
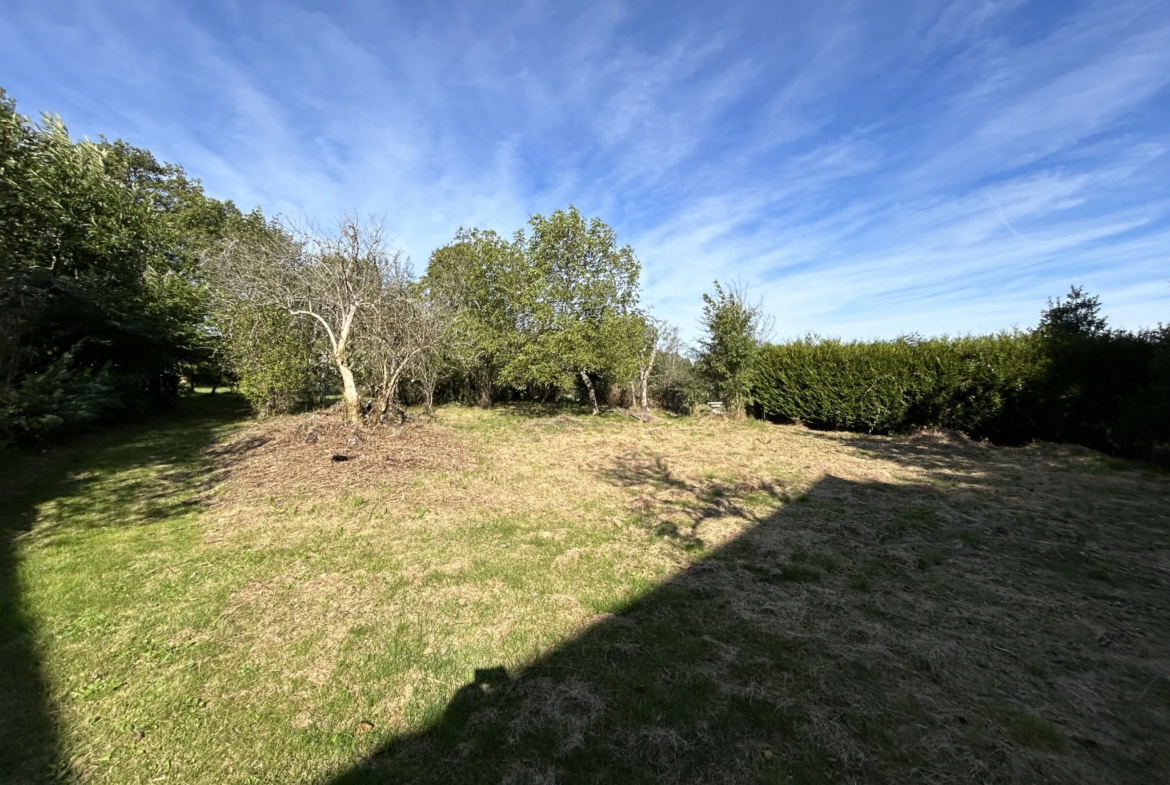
x,y
99,274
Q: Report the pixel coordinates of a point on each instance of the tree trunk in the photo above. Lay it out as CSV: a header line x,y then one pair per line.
x,y
483,390
349,393
592,392
645,374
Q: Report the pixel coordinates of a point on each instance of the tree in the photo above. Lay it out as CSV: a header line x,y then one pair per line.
x,y
579,305
406,333
344,280
671,366
1079,314
100,282
672,381
733,330
483,282
429,369
651,335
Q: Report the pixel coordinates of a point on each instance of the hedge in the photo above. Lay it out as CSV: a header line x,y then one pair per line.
x,y
1105,391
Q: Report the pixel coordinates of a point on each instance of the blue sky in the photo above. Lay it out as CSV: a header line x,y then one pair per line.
x,y
867,168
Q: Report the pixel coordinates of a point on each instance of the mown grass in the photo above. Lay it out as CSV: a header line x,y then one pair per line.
x,y
582,599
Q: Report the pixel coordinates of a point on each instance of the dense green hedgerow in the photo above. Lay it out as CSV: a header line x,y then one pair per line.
x,y
1106,390
969,384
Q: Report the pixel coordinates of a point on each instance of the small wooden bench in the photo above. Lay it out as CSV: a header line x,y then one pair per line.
x,y
716,407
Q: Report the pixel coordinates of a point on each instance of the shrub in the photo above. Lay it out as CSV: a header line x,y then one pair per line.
x,y
58,400
1142,426
733,329
278,360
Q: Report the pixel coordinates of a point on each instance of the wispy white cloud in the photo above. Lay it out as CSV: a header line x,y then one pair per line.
x,y
919,167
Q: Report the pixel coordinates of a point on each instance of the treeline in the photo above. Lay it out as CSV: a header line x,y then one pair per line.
x,y
102,307
549,313
122,283
1071,379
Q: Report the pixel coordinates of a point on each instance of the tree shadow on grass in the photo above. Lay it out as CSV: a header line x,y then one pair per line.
x,y
88,482
674,507
863,632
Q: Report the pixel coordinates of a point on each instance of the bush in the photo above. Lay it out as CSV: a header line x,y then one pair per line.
x,y
1142,426
682,393
278,360
57,401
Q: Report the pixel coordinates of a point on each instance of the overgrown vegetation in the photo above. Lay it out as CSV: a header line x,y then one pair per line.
x,y
120,279
733,329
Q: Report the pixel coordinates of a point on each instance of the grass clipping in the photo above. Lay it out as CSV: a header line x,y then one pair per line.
x,y
318,450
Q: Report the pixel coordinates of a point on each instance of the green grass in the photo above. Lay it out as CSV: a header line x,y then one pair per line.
x,y
582,599
1035,731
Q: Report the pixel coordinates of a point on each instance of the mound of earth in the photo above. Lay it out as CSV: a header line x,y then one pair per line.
x,y
317,452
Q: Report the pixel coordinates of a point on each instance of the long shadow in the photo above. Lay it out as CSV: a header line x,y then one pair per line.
x,y
862,632
54,492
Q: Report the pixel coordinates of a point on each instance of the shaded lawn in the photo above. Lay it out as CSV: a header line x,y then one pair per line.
x,y
589,600
92,504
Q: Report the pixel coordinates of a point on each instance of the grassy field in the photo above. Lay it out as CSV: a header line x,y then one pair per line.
x,y
527,596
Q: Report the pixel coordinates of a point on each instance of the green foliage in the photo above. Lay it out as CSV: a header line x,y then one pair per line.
x,y
99,273
730,345
56,400
481,278
1078,314
581,298
547,311
677,386
967,384
1071,380
280,362
1141,427
1101,388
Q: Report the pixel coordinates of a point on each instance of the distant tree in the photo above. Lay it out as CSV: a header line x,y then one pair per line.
x,y
1090,371
652,335
430,368
483,282
346,280
733,329
580,304
1078,314
673,381
405,335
